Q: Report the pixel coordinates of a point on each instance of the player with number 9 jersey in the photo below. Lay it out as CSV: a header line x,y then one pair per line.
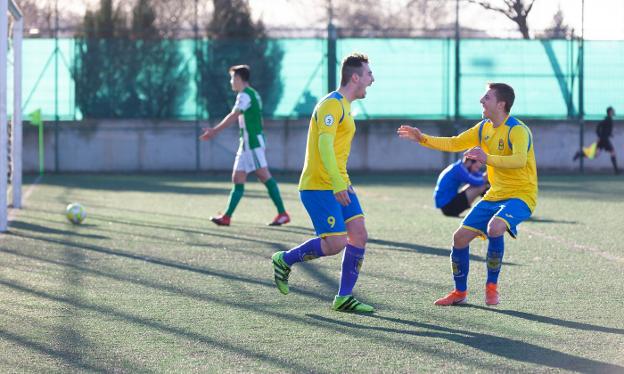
x,y
325,188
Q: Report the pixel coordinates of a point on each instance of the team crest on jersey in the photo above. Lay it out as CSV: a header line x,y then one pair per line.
x,y
329,120
501,144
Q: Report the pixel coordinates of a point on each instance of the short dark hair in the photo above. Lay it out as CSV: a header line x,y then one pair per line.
x,y
609,109
242,71
505,93
352,64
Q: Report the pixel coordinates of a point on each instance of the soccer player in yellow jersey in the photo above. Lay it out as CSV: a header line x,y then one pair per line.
x,y
505,145
326,190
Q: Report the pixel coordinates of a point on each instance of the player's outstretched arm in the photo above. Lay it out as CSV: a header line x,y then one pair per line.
x,y
461,142
211,132
410,133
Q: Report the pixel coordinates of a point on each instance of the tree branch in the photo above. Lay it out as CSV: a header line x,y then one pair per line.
x,y
528,9
489,6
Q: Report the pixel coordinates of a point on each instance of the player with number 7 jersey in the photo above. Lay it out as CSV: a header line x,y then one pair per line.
x,y
325,188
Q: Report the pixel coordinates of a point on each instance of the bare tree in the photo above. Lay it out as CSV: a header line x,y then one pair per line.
x,y
176,18
37,16
379,18
356,19
558,28
427,15
515,10
40,17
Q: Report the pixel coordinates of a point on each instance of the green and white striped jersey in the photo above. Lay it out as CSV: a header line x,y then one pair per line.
x,y
249,103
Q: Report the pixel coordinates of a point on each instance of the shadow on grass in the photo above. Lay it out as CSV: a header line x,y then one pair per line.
x,y
141,183
151,324
69,333
409,247
311,270
152,183
48,230
397,246
298,229
72,360
210,229
550,320
495,345
548,220
228,303
171,264
330,284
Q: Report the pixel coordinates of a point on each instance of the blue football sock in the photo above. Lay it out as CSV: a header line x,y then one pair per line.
x,y
304,252
494,259
460,262
351,263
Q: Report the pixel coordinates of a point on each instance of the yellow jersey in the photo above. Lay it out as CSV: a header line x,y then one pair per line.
x,y
511,168
332,115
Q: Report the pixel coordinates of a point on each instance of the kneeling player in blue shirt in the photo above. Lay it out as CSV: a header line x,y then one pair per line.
x,y
449,197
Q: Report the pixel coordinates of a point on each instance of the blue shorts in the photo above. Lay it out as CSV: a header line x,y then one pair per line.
x,y
510,211
327,215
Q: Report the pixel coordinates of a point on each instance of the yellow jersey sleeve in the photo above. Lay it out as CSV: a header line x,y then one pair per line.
x,y
328,158
519,137
461,142
329,114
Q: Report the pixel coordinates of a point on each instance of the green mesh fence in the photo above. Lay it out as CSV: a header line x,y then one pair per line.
x,y
543,74
414,78
303,76
47,82
604,77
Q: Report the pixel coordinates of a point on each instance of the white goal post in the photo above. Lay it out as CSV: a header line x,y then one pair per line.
x,y
9,9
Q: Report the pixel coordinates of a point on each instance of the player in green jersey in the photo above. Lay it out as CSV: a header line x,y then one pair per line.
x,y
251,152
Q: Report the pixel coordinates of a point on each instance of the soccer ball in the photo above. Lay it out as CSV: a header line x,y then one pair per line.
x,y
75,213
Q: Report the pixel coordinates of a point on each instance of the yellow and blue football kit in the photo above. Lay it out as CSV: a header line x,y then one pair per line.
x,y
320,179
324,175
512,174
511,170
327,215
332,115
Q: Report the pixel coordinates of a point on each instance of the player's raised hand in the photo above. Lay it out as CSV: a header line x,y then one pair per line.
x,y
208,133
476,153
409,132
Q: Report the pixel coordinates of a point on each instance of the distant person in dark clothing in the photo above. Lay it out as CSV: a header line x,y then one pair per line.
x,y
604,130
464,173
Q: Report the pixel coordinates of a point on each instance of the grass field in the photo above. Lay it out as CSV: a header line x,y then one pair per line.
x,y
148,284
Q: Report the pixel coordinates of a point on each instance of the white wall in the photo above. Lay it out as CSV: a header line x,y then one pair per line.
x,y
143,146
